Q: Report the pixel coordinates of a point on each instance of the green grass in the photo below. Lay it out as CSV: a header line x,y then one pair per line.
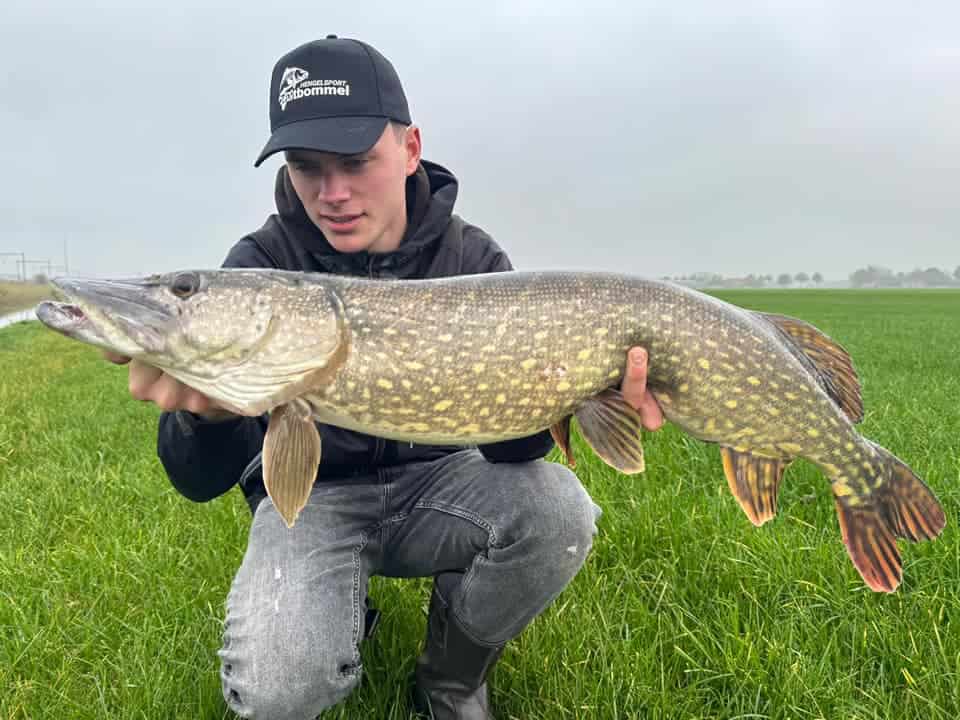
x,y
112,585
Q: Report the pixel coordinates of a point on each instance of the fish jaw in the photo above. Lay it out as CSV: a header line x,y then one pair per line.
x,y
116,315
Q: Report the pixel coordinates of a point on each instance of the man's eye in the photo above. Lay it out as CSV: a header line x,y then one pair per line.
x,y
354,163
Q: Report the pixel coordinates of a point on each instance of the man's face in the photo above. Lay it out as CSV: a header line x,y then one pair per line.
x,y
358,201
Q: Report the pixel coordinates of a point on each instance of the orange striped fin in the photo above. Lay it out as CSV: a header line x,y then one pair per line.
x,y
754,482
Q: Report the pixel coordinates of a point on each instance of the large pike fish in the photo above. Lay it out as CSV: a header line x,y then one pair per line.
x,y
485,358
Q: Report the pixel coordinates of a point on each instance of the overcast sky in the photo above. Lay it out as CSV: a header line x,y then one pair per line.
x,y
656,138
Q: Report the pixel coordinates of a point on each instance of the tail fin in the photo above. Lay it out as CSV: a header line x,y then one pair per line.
x,y
901,507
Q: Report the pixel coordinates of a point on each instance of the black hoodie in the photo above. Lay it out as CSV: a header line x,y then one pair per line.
x,y
205,459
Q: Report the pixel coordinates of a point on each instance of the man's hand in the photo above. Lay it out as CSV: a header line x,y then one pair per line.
x,y
151,384
634,389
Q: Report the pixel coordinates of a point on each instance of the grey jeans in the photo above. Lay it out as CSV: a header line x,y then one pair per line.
x,y
294,620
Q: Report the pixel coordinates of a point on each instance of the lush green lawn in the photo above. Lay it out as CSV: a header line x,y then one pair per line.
x,y
112,585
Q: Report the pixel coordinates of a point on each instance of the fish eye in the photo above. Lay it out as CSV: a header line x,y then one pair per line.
x,y
185,284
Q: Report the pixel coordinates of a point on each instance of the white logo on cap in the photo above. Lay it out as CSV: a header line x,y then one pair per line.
x,y
292,76
294,86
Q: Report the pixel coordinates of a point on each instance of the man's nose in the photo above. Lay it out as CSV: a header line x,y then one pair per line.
x,y
334,188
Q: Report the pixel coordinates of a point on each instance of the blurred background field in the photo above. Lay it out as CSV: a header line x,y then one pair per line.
x,y
112,585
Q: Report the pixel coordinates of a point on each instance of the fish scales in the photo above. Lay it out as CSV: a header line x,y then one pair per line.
x,y
499,358
485,358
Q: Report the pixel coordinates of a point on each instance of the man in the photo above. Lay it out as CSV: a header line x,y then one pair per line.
x,y
501,530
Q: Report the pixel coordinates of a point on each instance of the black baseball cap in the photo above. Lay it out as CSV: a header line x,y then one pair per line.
x,y
333,95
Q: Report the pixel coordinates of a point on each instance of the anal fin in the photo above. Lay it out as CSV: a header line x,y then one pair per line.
x,y
611,426
291,455
754,481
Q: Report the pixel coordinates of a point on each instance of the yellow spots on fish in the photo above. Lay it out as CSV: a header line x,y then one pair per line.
x,y
358,408
442,405
541,335
731,404
775,386
528,363
501,399
841,489
351,385
406,384
684,387
791,396
728,424
717,394
366,393
665,399
849,446
666,318
704,363
420,427
719,378
812,416
436,389
413,365
562,386
483,386
813,432
615,373
389,331
416,398
791,448
710,343
711,425
868,467
446,337
601,331
753,380
483,412
772,410
382,356
584,354
536,412
464,429
479,367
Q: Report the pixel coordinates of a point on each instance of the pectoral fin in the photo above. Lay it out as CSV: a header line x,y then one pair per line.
x,y
754,481
612,428
291,455
560,431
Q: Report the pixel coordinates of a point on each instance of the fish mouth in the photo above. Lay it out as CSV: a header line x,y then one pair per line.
x,y
64,317
88,308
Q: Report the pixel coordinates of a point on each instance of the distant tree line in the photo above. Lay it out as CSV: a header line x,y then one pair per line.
x,y
715,280
874,276
871,276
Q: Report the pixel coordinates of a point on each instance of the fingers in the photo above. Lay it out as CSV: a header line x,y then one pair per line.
x,y
151,384
115,358
634,389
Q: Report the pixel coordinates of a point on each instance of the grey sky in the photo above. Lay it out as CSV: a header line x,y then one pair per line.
x,y
654,138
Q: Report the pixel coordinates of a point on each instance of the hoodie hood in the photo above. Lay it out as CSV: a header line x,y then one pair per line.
x,y
431,194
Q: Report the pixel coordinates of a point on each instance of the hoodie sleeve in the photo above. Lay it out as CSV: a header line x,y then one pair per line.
x,y
204,459
482,255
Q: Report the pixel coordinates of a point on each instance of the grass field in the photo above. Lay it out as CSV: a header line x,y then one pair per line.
x,y
112,585
18,296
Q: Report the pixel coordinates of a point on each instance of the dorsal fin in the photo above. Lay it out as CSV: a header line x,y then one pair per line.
x,y
830,362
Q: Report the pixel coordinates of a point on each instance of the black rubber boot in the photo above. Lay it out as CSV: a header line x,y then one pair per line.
x,y
450,682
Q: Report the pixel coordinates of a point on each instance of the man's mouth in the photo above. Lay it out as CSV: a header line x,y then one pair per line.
x,y
342,222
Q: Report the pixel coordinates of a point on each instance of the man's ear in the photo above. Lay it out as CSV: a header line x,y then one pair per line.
x,y
413,147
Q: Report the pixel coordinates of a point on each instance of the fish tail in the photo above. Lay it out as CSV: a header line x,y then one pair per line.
x,y
900,505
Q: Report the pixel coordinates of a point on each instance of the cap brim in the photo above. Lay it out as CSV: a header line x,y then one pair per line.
x,y
342,135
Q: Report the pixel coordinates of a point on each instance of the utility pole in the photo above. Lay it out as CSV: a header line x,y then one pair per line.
x,y
22,261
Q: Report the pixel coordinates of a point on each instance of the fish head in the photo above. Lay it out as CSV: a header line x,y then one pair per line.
x,y
246,338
